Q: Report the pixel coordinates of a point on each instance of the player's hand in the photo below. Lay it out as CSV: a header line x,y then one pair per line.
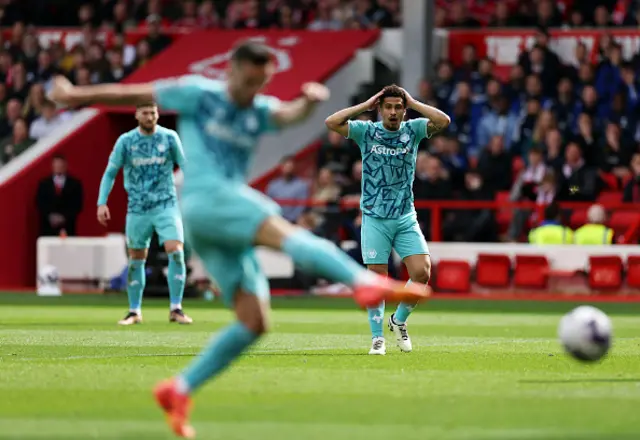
x,y
61,90
315,92
103,214
373,102
410,99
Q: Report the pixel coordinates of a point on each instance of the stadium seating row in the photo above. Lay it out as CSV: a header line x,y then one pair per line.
x,y
605,273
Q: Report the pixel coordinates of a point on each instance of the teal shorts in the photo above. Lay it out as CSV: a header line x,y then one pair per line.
x,y
167,223
380,236
221,225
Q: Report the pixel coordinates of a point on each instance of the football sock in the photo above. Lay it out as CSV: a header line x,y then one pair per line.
x,y
403,311
176,278
323,258
136,279
376,316
221,351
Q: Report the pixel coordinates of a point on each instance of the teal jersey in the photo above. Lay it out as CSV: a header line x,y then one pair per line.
x,y
219,136
388,165
148,162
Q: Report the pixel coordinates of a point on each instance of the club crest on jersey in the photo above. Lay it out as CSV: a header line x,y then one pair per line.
x,y
161,148
372,253
404,138
386,151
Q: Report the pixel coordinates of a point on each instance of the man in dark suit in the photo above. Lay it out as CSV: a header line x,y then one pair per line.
x,y
59,200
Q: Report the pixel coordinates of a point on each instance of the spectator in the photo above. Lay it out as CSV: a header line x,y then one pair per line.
x,y
459,16
631,192
553,146
326,188
19,84
563,106
122,21
143,54
494,166
431,183
454,160
116,71
551,230
502,17
462,125
578,181
324,20
444,83
527,124
337,154
586,138
207,17
33,107
59,200
13,113
615,152
500,121
476,225
98,64
289,187
18,142
189,18
594,232
544,124
548,14
157,41
46,123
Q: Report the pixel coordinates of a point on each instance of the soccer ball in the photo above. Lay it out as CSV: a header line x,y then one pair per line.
x,y
585,333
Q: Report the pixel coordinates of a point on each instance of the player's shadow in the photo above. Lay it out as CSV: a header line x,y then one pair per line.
x,y
580,381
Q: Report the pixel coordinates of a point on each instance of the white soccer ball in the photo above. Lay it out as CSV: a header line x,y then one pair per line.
x,y
586,332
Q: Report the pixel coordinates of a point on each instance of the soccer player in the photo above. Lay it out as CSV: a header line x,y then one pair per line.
x,y
148,155
389,149
220,124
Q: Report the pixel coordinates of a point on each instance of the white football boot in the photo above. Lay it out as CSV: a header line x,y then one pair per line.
x,y
378,346
130,319
401,334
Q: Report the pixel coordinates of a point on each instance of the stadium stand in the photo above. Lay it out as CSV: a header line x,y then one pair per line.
x,y
549,119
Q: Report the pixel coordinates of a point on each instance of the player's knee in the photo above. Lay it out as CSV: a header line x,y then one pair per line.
x,y
257,323
172,246
380,269
422,274
137,254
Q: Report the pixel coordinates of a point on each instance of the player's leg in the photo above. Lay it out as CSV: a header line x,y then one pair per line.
x,y
376,239
412,247
246,289
138,231
168,225
321,257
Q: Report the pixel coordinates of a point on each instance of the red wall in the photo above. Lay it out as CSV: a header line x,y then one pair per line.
x,y
87,150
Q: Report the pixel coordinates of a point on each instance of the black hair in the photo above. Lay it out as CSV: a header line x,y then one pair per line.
x,y
393,91
552,212
253,52
60,157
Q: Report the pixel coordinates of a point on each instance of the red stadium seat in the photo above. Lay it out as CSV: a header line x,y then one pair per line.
x,y
578,218
531,271
453,276
610,197
622,220
493,270
633,271
610,180
605,272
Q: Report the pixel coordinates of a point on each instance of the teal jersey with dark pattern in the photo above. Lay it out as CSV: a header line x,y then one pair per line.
x,y
388,165
148,162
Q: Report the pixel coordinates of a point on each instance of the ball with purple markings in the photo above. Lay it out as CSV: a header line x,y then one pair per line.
x,y
586,333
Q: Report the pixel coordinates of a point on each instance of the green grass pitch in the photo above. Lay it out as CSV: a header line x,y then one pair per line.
x,y
479,370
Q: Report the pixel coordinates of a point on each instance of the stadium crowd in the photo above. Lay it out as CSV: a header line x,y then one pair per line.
x,y
549,132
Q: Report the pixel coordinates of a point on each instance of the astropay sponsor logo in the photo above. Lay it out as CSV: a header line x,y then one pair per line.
x,y
381,149
215,66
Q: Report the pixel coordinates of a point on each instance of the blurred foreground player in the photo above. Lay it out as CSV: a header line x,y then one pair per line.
x,y
389,150
148,155
220,124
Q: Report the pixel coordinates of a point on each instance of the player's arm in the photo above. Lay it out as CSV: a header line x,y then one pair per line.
x,y
293,112
339,121
437,119
115,94
116,160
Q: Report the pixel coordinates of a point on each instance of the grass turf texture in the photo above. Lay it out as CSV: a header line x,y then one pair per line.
x,y
480,370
